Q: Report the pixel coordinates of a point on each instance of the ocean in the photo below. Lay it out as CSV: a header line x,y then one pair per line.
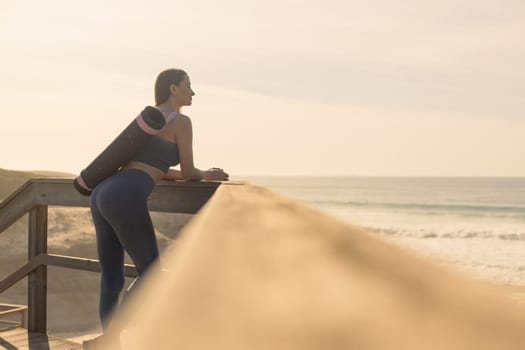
x,y
475,224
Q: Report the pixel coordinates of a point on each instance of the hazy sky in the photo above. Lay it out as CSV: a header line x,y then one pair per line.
x,y
284,87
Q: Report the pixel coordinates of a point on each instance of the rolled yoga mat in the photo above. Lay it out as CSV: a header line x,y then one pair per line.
x,y
148,123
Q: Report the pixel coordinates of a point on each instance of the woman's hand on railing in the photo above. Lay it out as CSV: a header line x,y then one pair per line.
x,y
215,174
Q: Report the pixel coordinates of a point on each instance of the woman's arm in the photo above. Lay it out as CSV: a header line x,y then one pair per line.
x,y
173,174
213,174
184,135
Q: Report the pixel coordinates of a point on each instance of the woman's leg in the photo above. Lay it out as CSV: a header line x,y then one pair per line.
x,y
135,232
141,245
111,259
124,206
121,216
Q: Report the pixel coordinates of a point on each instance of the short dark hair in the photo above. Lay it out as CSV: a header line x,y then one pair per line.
x,y
164,80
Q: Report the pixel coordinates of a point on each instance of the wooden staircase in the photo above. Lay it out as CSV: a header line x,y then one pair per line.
x,y
21,339
7,310
33,198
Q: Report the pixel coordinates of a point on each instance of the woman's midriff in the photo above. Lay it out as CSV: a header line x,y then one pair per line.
x,y
153,172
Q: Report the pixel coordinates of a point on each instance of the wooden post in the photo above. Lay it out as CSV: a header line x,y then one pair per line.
x,y
37,282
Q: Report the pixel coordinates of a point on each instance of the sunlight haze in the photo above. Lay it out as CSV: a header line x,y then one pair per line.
x,y
426,88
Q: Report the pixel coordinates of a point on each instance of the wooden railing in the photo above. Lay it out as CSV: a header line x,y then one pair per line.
x,y
36,195
13,309
256,270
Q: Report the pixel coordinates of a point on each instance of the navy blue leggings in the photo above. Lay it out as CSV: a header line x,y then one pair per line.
x,y
122,222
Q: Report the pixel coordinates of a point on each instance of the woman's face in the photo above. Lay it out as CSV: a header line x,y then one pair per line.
x,y
183,92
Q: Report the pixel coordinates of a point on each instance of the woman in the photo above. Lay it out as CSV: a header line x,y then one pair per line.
x,y
119,203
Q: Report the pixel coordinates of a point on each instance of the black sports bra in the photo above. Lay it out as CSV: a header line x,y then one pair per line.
x,y
158,153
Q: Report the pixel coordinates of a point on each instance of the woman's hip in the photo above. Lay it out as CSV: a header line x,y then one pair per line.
x,y
123,187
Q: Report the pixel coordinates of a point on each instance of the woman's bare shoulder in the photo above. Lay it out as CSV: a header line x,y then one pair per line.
x,y
178,120
181,119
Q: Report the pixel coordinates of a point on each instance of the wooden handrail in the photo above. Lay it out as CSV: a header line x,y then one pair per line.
x,y
168,196
21,272
82,264
34,197
16,205
70,262
11,309
257,270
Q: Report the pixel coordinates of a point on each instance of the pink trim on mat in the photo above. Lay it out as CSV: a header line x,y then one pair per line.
x,y
145,127
82,183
